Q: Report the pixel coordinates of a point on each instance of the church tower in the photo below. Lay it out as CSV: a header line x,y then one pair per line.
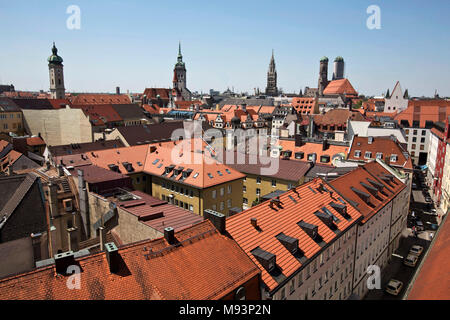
x,y
271,89
179,79
323,75
55,68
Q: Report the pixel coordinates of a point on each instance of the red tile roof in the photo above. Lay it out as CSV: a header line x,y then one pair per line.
x,y
35,141
310,148
304,105
206,171
95,174
94,98
425,110
274,221
385,145
373,171
342,86
338,117
159,214
433,281
100,114
205,266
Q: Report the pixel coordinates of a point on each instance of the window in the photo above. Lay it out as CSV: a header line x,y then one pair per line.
x,y
258,191
229,203
214,194
292,286
357,153
245,200
422,140
368,155
300,279
229,189
214,207
414,139
422,147
393,158
244,189
283,294
274,183
222,206
222,191
191,207
424,132
258,180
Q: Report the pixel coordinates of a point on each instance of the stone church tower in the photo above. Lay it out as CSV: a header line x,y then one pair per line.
x,y
271,89
55,68
323,75
180,90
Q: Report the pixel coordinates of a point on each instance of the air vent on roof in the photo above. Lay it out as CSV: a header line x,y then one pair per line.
x,y
369,188
266,259
168,169
376,184
128,166
341,208
291,244
326,219
310,229
114,167
363,195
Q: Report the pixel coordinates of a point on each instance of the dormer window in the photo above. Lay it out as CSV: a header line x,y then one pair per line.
x,y
379,155
394,158
368,155
357,153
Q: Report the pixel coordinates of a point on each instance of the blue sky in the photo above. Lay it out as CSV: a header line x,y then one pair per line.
x,y
133,44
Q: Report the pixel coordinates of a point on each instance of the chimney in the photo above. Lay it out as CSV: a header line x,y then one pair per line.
x,y
102,232
217,219
325,144
169,235
298,140
63,261
60,170
72,239
112,256
117,90
36,243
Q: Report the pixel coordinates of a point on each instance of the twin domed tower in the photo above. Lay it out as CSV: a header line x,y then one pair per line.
x,y
56,72
323,73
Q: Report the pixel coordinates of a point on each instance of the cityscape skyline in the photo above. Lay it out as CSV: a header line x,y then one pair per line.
x,y
238,52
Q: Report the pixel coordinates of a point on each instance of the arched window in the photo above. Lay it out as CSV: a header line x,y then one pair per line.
x,y
240,294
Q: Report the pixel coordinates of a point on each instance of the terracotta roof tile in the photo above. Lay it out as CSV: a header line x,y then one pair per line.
x,y
342,86
212,265
94,98
274,221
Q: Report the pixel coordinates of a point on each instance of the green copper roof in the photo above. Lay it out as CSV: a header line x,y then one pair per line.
x,y
324,59
338,59
54,58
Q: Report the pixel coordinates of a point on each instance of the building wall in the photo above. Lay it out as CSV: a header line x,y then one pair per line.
x,y
17,256
396,103
130,229
11,122
328,276
431,161
422,143
265,187
59,126
445,202
197,200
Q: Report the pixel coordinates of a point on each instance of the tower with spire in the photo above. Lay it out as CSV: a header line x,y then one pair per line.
x,y
271,89
56,72
180,90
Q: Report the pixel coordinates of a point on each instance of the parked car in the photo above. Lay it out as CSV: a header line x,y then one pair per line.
x,y
419,225
416,250
411,260
394,287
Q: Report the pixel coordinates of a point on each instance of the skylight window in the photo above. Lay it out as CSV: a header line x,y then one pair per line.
x,y
160,165
220,173
195,175
155,162
210,175
228,171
